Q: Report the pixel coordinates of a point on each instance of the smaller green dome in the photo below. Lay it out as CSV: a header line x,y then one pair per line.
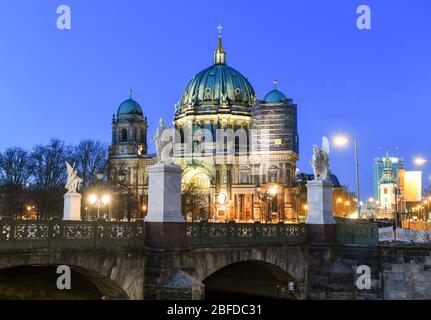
x,y
275,96
129,109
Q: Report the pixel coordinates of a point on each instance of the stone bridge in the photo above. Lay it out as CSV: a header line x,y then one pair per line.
x,y
197,260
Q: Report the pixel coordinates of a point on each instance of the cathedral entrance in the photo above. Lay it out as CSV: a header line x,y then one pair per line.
x,y
196,195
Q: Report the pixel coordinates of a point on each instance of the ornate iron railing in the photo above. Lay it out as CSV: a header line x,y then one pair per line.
x,y
357,234
18,234
207,233
69,234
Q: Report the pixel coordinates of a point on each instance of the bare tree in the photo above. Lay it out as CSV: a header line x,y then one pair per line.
x,y
127,200
49,175
194,203
15,172
91,158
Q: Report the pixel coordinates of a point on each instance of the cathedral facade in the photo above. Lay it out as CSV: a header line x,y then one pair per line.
x,y
239,151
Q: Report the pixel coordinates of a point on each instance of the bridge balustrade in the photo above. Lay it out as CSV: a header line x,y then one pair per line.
x,y
16,234
357,234
211,233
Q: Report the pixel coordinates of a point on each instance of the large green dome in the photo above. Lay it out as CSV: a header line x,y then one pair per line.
x,y
218,88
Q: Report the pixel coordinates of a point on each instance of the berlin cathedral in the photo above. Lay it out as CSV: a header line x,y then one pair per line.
x,y
252,183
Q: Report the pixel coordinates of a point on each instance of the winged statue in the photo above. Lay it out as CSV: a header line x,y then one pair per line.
x,y
320,160
73,181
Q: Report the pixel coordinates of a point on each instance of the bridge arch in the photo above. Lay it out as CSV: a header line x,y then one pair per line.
x,y
286,263
116,274
250,279
40,282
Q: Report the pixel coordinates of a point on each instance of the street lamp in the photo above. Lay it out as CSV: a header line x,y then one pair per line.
x,y
421,161
342,141
95,200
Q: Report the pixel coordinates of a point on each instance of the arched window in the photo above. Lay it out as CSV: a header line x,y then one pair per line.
x,y
123,135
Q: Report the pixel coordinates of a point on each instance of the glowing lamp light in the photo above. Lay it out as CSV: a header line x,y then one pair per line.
x,y
305,207
273,190
92,199
341,141
339,200
371,200
354,215
420,161
106,199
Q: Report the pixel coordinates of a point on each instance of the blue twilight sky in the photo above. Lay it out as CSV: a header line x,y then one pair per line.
x,y
371,84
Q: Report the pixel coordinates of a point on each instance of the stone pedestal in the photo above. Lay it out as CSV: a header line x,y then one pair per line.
x,y
165,225
321,225
72,206
164,193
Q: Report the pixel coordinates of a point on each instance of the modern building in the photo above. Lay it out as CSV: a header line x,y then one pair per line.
x,y
237,149
412,191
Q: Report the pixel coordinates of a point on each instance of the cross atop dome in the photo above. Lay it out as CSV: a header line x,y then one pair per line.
x,y
130,93
219,54
219,29
275,83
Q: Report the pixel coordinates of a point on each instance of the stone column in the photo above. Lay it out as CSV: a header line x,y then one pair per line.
x,y
72,206
321,226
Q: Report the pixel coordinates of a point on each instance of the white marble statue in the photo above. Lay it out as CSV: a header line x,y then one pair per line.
x,y
162,138
73,181
320,160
